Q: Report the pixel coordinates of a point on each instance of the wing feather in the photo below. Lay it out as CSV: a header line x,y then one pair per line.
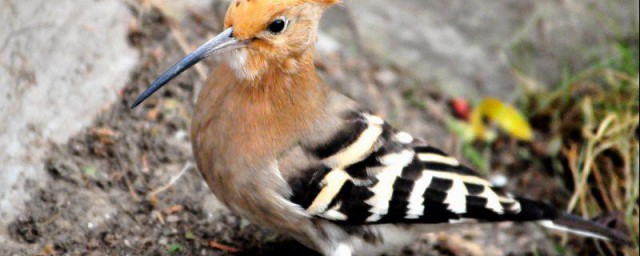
x,y
374,174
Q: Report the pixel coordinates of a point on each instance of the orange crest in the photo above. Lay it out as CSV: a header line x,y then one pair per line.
x,y
250,17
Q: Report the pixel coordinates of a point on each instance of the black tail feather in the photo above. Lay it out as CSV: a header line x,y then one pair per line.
x,y
577,225
551,218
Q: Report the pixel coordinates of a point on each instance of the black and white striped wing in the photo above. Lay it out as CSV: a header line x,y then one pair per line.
x,y
369,173
373,174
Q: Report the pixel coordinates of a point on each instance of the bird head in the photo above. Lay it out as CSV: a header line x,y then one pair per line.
x,y
258,35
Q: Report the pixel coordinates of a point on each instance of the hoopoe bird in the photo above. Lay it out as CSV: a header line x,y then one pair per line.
x,y
278,147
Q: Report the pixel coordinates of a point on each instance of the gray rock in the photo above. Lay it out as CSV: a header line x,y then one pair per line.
x,y
471,47
62,62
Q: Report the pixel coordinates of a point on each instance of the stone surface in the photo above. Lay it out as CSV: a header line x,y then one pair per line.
x,y
471,47
62,62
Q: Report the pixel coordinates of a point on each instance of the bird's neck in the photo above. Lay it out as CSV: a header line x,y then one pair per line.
x,y
257,118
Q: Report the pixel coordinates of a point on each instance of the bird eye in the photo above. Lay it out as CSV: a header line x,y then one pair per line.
x,y
278,25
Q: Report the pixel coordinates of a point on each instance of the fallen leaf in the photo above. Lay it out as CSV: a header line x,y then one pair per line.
x,y
506,117
189,235
174,209
226,248
153,114
117,175
105,132
145,163
175,248
457,245
49,249
89,171
105,135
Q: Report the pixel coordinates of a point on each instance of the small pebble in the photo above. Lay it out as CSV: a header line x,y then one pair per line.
x,y
386,77
173,219
181,135
499,180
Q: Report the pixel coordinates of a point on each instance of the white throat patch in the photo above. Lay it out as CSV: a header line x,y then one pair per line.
x,y
237,61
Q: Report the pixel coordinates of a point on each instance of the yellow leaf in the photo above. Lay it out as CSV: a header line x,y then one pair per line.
x,y
506,117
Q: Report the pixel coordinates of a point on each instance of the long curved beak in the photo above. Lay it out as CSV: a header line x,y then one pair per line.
x,y
223,42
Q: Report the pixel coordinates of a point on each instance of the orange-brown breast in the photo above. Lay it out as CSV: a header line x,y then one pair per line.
x,y
239,129
241,125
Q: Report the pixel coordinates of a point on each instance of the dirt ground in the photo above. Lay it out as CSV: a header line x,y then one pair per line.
x,y
127,185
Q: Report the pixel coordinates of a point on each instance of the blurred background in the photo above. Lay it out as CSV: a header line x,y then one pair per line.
x,y
539,96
